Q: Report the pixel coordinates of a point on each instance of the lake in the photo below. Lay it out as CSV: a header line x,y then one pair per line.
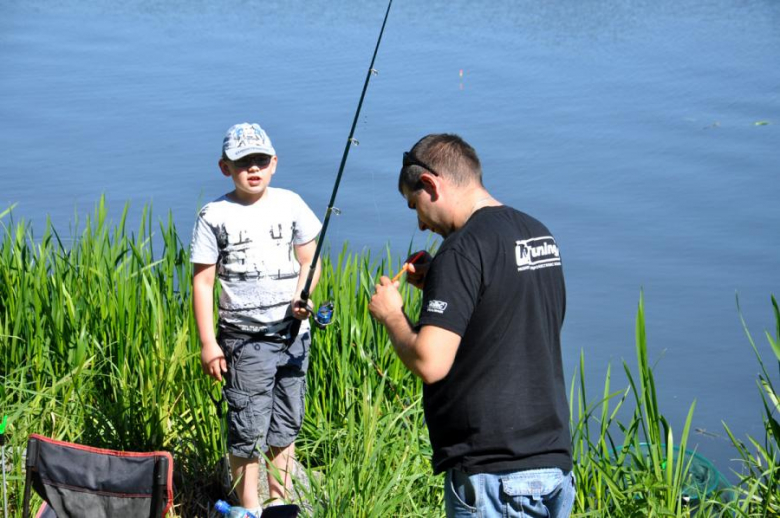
x,y
645,134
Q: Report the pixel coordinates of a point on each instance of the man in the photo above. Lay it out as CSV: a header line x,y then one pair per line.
x,y
487,344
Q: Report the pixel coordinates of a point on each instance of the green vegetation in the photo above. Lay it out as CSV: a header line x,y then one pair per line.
x,y
98,345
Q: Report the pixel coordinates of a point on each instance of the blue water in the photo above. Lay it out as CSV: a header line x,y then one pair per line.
x,y
645,134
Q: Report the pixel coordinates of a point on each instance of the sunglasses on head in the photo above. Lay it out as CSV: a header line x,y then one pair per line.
x,y
248,161
410,159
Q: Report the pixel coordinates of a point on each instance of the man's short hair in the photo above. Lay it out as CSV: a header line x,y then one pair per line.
x,y
441,154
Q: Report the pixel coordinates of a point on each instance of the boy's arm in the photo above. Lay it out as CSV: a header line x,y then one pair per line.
x,y
211,357
305,255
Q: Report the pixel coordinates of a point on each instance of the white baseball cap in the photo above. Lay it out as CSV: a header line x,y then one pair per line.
x,y
246,139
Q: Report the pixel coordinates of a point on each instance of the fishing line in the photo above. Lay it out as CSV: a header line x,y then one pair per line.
x,y
327,313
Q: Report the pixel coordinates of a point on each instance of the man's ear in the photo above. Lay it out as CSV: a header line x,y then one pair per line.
x,y
430,185
224,167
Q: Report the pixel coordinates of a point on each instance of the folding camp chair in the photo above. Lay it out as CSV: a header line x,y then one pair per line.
x,y
84,482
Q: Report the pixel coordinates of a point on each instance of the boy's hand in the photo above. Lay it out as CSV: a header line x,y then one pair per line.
x,y
212,359
415,272
300,309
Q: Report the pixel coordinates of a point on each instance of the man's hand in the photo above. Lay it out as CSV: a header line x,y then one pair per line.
x,y
386,302
415,272
212,359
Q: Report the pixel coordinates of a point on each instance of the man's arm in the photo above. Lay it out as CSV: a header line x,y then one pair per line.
x,y
211,357
305,255
429,353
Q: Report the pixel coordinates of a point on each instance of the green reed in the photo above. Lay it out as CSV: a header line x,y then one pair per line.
x,y
96,340
98,345
364,427
760,488
639,472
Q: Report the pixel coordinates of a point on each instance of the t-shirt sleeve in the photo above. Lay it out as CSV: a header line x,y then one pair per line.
x,y
203,247
307,225
451,292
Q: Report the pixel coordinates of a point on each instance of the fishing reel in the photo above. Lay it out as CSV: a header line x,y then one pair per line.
x,y
323,317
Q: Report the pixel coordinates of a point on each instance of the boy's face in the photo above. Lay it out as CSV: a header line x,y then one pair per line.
x,y
251,175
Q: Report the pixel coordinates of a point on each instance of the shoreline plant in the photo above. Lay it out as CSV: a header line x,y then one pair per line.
x,y
98,345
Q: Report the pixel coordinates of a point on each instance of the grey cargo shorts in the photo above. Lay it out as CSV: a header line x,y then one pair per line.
x,y
265,387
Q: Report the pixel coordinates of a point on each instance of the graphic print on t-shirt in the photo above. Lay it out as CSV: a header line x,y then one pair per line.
x,y
437,306
537,252
253,249
246,254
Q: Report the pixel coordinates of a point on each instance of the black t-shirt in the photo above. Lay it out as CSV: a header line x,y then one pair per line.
x,y
498,283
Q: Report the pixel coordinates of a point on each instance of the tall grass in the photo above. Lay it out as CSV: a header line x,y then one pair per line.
x,y
98,345
96,342
644,470
760,487
364,426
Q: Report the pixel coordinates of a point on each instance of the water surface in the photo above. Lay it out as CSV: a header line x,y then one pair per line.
x,y
644,134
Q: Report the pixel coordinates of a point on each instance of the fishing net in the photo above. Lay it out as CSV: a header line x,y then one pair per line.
x,y
703,479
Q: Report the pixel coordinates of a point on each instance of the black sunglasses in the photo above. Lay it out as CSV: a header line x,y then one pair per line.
x,y
410,159
248,161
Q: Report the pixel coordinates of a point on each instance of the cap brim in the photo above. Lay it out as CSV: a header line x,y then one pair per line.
x,y
235,154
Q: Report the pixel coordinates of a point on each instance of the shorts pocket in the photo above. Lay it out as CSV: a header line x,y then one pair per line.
x,y
232,348
288,403
241,423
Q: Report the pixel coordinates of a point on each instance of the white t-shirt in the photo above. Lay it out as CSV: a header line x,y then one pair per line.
x,y
252,246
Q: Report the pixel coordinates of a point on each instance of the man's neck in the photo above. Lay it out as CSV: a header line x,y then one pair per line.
x,y
470,202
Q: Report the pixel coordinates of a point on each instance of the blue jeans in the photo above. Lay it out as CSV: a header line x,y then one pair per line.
x,y
533,493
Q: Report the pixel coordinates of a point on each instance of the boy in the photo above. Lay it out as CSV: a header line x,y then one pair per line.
x,y
259,241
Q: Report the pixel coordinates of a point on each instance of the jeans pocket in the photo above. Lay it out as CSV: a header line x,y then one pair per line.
x,y
538,492
459,494
535,483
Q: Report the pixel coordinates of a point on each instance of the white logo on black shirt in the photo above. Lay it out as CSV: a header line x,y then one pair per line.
x,y
537,252
436,306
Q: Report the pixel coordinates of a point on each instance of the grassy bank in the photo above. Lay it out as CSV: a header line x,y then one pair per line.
x,y
98,345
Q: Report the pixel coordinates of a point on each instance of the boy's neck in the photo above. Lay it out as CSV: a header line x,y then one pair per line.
x,y
246,198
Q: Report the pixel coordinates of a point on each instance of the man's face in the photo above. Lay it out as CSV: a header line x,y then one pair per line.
x,y
421,202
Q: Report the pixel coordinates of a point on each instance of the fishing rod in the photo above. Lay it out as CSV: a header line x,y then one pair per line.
x,y
325,312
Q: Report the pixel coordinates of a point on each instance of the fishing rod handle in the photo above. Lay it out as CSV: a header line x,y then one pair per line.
x,y
295,327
